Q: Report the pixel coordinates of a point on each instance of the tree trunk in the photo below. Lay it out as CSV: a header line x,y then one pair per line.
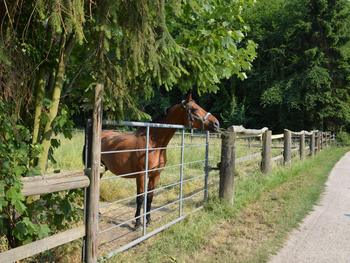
x,y
40,93
65,47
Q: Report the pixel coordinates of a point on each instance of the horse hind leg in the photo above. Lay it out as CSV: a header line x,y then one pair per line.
x,y
153,181
139,199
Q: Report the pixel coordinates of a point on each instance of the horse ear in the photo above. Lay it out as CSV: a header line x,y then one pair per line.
x,y
189,96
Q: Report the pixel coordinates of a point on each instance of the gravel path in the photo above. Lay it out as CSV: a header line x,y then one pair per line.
x,y
324,235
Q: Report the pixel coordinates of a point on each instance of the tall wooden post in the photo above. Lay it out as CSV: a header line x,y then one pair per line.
x,y
266,163
302,146
312,144
287,148
93,196
318,141
328,139
321,140
227,166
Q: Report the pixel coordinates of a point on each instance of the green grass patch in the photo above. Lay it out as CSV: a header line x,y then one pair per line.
x,y
69,157
266,208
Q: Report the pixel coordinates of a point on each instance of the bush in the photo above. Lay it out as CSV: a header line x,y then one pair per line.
x,y
23,220
343,138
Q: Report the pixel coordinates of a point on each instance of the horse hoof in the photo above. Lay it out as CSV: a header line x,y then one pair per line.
x,y
137,225
149,221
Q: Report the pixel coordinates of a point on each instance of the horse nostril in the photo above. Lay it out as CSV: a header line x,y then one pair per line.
x,y
216,124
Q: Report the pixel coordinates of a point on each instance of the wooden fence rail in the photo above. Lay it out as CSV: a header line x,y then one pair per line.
x,y
293,143
44,184
42,245
38,185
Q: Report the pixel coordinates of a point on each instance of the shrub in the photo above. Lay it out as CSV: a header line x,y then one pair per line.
x,y
343,138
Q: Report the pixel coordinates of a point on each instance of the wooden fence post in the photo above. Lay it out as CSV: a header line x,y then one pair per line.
x,y
321,140
266,162
287,148
302,146
312,144
93,194
227,166
318,142
328,139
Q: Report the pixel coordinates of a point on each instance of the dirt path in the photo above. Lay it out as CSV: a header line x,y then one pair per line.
x,y
324,235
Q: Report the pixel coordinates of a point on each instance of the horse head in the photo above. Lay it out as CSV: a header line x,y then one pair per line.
x,y
196,117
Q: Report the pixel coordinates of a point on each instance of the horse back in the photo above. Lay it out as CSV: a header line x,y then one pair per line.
x,y
128,161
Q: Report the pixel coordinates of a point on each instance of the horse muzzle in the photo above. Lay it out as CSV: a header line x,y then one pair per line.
x,y
214,126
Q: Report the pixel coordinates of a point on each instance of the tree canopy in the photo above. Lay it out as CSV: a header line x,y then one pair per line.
x,y
300,79
52,54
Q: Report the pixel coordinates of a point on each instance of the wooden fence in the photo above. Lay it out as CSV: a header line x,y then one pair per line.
x,y
317,141
88,179
38,185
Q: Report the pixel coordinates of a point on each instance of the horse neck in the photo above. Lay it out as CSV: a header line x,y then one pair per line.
x,y
162,136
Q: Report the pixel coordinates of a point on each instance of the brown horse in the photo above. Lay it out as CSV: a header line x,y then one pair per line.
x,y
186,113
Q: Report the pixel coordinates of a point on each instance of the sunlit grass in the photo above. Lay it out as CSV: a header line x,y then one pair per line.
x,y
265,209
69,157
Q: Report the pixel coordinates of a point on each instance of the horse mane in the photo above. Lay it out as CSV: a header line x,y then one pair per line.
x,y
161,118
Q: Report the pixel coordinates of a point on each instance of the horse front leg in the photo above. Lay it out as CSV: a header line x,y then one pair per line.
x,y
152,183
139,199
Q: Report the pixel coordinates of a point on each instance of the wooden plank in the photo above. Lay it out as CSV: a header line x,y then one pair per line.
x,y
38,185
50,176
42,245
93,193
266,164
241,129
247,158
277,136
227,166
301,132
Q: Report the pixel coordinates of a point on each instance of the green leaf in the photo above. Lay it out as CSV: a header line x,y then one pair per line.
x,y
43,231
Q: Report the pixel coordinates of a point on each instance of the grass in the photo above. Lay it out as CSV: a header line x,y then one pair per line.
x,y
69,157
266,208
247,231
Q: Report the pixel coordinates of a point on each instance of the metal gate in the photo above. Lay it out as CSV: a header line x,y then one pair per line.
x,y
116,232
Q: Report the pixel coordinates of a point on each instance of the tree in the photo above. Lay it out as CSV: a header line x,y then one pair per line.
x,y
300,77
129,46
53,52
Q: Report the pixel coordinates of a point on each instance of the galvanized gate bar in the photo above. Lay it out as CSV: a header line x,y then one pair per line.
x,y
206,166
180,199
151,170
181,170
143,124
145,185
136,241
